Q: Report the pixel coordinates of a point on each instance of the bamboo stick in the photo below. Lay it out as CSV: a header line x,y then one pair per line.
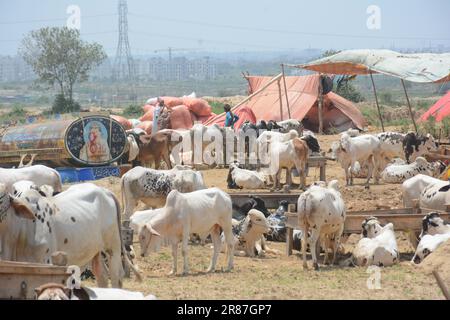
x,y
376,100
285,91
281,100
409,106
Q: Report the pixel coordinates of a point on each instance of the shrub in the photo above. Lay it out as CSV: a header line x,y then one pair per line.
x,y
62,105
132,111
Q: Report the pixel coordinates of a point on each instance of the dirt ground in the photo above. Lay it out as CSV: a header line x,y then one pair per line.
x,y
281,277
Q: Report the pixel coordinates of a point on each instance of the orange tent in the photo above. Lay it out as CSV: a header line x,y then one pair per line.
x,y
303,93
439,110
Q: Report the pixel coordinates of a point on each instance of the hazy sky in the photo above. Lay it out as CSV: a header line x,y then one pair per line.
x,y
236,25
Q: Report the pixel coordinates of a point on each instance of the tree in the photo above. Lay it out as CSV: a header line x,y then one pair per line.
x,y
59,57
343,85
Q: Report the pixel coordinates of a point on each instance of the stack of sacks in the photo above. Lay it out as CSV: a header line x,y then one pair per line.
x,y
189,110
180,118
199,107
126,124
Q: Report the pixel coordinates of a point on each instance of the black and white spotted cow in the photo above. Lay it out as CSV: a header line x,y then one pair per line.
x,y
152,186
277,222
433,224
83,222
405,146
398,173
435,196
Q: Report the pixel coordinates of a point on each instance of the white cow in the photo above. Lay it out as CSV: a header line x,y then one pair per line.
x,y
321,211
244,179
428,244
413,187
433,224
202,212
358,149
398,173
378,245
405,146
249,233
38,174
435,196
152,186
55,291
267,137
83,222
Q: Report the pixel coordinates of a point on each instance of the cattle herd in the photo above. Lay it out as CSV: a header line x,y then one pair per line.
x,y
38,219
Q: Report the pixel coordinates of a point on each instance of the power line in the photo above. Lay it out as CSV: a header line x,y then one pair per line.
x,y
320,34
55,20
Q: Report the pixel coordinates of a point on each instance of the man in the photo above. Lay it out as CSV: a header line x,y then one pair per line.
x,y
230,118
159,108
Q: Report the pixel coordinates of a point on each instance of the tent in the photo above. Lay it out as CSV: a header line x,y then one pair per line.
x,y
415,67
439,110
302,93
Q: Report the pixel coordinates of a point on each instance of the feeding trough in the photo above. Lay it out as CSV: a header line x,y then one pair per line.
x,y
91,140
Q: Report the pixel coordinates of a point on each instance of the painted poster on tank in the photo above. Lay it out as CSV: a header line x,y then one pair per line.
x,y
96,140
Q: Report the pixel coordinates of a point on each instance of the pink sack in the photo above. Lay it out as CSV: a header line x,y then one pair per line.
x,y
148,116
171,101
203,119
200,107
148,108
126,124
180,118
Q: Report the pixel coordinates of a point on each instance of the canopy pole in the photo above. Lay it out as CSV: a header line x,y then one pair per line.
x,y
280,98
409,106
258,91
320,105
376,100
285,91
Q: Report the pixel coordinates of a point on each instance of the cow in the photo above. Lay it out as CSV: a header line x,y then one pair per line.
x,y
154,148
413,187
435,196
152,186
322,212
291,124
268,137
433,224
428,244
244,179
57,291
405,146
378,245
249,234
291,154
202,212
253,202
83,222
398,173
360,149
40,175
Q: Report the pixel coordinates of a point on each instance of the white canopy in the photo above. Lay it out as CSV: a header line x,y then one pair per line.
x,y
417,67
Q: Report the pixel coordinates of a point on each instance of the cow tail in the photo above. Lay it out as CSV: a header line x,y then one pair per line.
x,y
122,245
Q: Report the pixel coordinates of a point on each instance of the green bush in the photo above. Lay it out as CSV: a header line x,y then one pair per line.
x,y
62,105
132,111
217,106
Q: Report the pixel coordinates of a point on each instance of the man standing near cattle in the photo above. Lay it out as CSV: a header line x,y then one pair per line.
x,y
159,109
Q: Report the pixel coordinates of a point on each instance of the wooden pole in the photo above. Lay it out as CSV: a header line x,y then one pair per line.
x,y
285,91
409,106
441,285
320,105
259,91
280,98
376,100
